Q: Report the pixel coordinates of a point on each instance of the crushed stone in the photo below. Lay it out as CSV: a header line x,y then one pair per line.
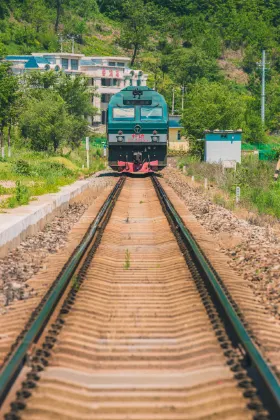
x,y
28,258
253,251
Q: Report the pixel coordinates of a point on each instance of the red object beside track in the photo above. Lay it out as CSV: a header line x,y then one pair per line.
x,y
131,167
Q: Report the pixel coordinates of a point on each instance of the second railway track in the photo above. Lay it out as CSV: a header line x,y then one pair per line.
x,y
139,335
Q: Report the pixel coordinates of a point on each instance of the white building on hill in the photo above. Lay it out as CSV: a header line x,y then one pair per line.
x,y
107,74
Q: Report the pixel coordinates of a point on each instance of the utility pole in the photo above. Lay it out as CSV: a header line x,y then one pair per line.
x,y
263,88
72,37
87,149
183,97
173,100
73,44
263,67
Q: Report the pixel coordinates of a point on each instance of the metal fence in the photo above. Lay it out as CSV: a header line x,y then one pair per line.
x,y
265,151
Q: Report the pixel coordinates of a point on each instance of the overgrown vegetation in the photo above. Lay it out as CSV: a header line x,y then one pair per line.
x,y
254,177
30,174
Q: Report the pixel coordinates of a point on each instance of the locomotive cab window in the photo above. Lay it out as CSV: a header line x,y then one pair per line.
x,y
123,114
148,113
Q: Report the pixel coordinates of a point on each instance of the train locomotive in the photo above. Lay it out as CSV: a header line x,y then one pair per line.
x,y
137,130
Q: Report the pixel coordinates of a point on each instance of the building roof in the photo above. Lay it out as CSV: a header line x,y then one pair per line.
x,y
18,57
35,62
57,54
239,130
104,57
174,124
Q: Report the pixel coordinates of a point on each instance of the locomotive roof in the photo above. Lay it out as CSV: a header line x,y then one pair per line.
x,y
137,92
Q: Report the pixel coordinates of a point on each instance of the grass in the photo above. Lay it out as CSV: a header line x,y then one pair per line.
x,y
35,173
177,153
127,260
259,191
75,283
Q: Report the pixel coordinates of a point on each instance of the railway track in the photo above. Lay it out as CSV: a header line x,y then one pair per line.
x,y
138,326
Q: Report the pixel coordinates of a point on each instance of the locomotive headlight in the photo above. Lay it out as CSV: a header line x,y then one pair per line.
x,y
120,138
155,138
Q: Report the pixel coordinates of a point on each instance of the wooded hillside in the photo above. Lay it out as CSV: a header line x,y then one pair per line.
x,y
211,47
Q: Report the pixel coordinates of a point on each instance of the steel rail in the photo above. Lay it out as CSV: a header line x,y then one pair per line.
x,y
17,360
261,371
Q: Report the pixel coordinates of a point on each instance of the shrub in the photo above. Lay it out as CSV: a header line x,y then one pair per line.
x,y
20,197
22,193
21,167
47,169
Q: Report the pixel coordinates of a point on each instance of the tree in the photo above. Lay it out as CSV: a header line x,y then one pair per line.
x,y
84,8
73,92
189,65
135,31
35,82
44,121
77,128
8,97
58,6
213,105
112,8
3,50
76,93
35,12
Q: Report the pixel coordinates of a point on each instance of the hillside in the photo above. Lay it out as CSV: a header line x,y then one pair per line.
x,y
214,44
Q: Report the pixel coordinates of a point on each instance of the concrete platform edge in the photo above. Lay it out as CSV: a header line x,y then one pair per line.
x,y
16,224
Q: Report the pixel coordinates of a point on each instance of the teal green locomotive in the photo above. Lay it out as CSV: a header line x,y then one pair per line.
x,y
137,130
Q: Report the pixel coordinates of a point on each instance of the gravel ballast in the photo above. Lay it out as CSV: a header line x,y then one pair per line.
x,y
253,251
28,258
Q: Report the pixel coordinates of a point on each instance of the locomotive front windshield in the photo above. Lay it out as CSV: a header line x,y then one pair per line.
x,y
149,113
120,114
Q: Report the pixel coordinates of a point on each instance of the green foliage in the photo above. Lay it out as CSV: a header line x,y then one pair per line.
x,y
127,260
191,64
212,105
84,8
21,167
135,32
8,94
255,179
37,173
46,168
76,94
44,122
20,197
22,193
55,110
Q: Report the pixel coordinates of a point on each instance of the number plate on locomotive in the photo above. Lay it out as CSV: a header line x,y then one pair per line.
x,y
138,137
